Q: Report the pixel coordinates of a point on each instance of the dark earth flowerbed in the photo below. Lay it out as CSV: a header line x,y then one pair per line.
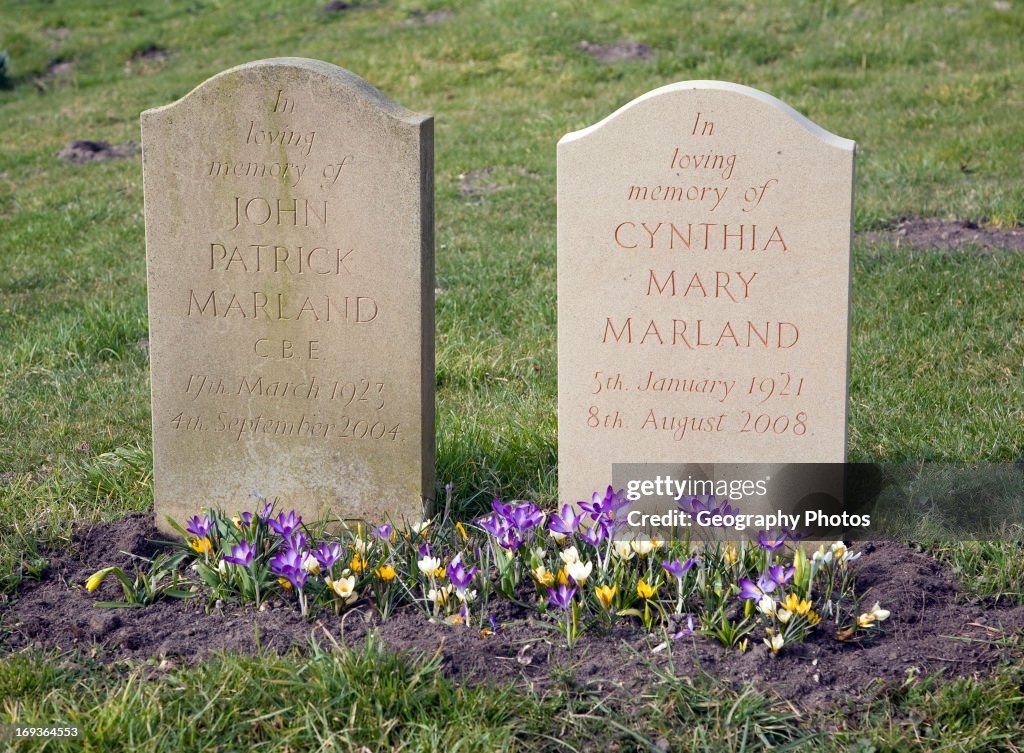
x,y
933,629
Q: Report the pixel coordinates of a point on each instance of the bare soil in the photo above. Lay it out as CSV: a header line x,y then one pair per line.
x,y
93,151
613,53
934,628
921,233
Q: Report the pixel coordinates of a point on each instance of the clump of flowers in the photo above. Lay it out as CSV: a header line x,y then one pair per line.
x,y
575,566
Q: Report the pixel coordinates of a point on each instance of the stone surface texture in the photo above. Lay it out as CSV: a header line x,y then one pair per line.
x,y
704,235
289,235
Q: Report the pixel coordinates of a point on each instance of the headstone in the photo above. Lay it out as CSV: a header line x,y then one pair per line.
x,y
703,286
289,236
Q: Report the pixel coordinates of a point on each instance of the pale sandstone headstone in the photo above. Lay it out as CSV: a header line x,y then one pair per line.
x,y
703,286
289,235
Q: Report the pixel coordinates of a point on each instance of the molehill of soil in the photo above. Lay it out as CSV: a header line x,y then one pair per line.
x,y
948,235
933,629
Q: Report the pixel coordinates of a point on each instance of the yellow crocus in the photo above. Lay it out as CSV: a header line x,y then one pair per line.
x,y
605,595
731,553
544,576
462,531
285,583
96,578
201,545
386,572
358,564
644,590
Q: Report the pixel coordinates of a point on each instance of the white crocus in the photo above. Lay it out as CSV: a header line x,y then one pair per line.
x,y
439,595
570,555
766,605
579,571
420,527
624,550
428,565
344,587
775,643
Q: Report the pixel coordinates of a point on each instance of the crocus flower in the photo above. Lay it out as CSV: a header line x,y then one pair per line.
x,y
97,578
420,527
202,545
358,564
428,565
459,576
386,572
283,524
384,532
766,605
569,555
495,525
565,524
686,631
199,527
780,575
775,642
678,569
624,550
644,590
500,509
241,554
510,539
770,540
561,597
526,516
295,540
288,564
731,553
544,576
579,571
344,587
439,595
594,535
605,595
644,546
327,555
877,614
750,590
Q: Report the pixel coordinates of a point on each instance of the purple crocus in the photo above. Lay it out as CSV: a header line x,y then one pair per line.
x,y
424,550
566,523
594,535
500,508
199,526
295,540
265,512
459,576
288,564
779,575
241,554
283,524
770,540
606,506
496,525
510,540
383,532
246,518
686,631
561,597
678,569
750,590
526,516
327,555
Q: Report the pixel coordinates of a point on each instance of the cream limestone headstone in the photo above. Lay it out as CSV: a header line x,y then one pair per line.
x,y
289,237
704,237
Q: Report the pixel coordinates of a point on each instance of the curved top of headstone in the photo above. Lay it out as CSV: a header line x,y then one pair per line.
x,y
755,95
342,79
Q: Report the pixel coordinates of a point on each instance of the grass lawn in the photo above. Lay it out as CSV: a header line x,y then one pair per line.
x,y
931,94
